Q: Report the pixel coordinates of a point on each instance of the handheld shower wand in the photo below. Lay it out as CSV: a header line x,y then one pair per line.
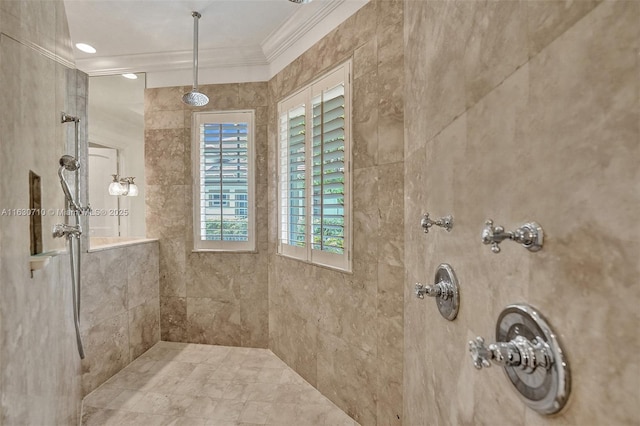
x,y
67,162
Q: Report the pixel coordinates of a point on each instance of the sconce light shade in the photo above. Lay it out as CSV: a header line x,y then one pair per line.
x,y
123,186
133,190
115,187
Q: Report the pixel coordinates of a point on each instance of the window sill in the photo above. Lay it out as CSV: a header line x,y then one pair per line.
x,y
224,251
319,265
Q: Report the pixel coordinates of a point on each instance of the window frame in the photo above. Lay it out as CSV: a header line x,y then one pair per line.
x,y
304,98
234,116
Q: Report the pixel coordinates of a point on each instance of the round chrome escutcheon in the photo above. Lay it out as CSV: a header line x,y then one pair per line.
x,y
449,303
544,390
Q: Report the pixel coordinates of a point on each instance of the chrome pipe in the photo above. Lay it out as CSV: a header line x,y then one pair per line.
x,y
73,232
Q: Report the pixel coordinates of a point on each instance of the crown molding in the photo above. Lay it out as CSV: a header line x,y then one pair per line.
x,y
314,28
181,60
305,27
47,53
296,26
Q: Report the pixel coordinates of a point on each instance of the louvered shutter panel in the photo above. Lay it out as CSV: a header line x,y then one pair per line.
x,y
293,213
328,171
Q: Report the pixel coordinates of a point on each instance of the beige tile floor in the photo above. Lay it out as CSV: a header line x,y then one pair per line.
x,y
193,385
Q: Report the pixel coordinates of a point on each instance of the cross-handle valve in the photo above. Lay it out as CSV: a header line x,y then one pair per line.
x,y
61,230
443,290
445,222
530,235
525,354
529,352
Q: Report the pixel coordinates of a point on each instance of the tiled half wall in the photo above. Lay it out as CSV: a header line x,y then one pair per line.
x,y
120,315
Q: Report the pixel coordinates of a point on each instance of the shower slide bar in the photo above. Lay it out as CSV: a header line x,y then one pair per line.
x,y
69,231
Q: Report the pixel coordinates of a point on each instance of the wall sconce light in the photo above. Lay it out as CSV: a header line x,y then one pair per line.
x,y
123,186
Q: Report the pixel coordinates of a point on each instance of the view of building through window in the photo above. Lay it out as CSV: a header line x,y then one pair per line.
x,y
225,173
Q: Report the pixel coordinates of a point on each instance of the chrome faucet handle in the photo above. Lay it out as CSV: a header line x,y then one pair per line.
x,y
529,235
445,222
488,235
520,352
61,230
443,290
479,353
529,352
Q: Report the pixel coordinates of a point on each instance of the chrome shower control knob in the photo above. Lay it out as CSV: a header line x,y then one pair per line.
x,y
519,352
420,291
445,291
445,222
531,355
529,235
479,353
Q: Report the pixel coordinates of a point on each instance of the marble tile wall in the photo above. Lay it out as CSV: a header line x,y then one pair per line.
x,y
39,364
343,331
205,297
120,314
518,111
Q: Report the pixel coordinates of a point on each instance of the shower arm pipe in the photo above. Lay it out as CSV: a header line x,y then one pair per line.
x,y
196,18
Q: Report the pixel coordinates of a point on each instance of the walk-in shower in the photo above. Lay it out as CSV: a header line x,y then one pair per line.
x,y
72,232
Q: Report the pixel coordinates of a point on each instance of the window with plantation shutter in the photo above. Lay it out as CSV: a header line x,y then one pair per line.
x,y
223,169
314,178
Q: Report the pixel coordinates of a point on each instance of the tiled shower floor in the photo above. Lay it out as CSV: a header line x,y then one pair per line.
x,y
192,385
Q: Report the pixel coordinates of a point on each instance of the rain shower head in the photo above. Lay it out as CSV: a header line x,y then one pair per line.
x,y
69,163
195,98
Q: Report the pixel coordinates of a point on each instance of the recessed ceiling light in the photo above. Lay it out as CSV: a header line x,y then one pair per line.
x,y
130,76
86,47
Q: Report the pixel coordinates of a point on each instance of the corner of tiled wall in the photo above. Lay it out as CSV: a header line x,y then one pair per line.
x,y
343,332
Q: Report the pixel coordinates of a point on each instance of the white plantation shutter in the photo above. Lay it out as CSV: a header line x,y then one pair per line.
x,y
292,178
223,181
328,171
314,158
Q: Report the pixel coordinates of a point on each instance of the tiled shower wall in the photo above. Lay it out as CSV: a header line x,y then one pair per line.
x,y
520,111
39,364
120,315
343,331
205,297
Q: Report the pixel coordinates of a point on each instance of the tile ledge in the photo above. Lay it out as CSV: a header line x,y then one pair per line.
x,y
118,244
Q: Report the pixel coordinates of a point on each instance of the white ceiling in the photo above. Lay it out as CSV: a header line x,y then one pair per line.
x,y
239,40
